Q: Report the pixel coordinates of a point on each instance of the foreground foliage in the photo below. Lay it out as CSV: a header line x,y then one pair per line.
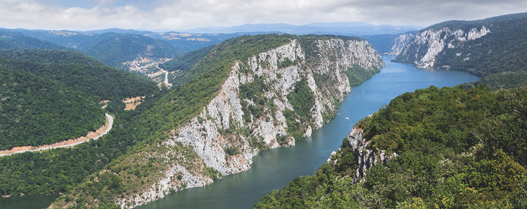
x,y
457,149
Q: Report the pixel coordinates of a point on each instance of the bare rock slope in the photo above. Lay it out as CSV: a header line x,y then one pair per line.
x,y
252,111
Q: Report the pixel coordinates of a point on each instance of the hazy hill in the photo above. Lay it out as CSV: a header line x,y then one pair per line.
x,y
343,28
15,40
111,48
388,43
114,48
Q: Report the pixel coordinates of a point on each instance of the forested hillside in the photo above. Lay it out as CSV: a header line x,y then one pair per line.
x,y
79,72
15,40
36,111
59,170
455,148
482,47
114,49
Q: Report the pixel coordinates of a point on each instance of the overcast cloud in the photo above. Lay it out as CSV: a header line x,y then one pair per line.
x,y
183,14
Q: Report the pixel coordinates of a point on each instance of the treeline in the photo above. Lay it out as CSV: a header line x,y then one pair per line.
x,y
457,149
79,72
35,111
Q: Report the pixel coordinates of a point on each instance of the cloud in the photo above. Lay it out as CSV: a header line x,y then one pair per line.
x,y
179,14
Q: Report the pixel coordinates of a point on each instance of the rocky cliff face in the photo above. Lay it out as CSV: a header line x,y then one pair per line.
x,y
366,156
400,43
225,135
430,44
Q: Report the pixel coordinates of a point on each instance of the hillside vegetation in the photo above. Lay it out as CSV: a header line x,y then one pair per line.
x,y
456,148
59,170
78,71
36,111
181,65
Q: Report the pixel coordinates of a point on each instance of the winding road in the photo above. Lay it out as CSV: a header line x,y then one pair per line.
x,y
63,144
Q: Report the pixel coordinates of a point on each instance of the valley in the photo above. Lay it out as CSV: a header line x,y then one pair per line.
x,y
266,117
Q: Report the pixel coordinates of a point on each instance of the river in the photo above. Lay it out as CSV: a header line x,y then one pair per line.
x,y
274,169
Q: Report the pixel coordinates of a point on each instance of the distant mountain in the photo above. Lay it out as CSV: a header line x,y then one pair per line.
x,y
15,40
114,48
482,47
116,30
391,44
110,47
78,71
342,28
194,41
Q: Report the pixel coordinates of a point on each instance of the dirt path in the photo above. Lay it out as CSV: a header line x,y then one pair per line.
x,y
103,130
166,78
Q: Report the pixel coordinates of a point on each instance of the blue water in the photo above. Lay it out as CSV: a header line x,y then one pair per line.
x,y
274,169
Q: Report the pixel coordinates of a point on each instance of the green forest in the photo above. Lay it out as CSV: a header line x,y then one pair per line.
x,y
78,71
35,111
457,149
60,170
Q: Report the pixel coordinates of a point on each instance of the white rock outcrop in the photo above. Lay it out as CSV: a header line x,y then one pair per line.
x,y
428,44
221,125
366,156
400,43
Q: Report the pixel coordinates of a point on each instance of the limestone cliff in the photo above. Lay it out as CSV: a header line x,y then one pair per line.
x,y
430,44
400,43
366,156
216,129
254,110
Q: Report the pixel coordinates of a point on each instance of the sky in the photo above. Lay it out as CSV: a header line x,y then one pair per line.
x,y
165,15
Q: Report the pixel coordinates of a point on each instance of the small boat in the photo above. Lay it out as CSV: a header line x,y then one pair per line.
x,y
347,118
